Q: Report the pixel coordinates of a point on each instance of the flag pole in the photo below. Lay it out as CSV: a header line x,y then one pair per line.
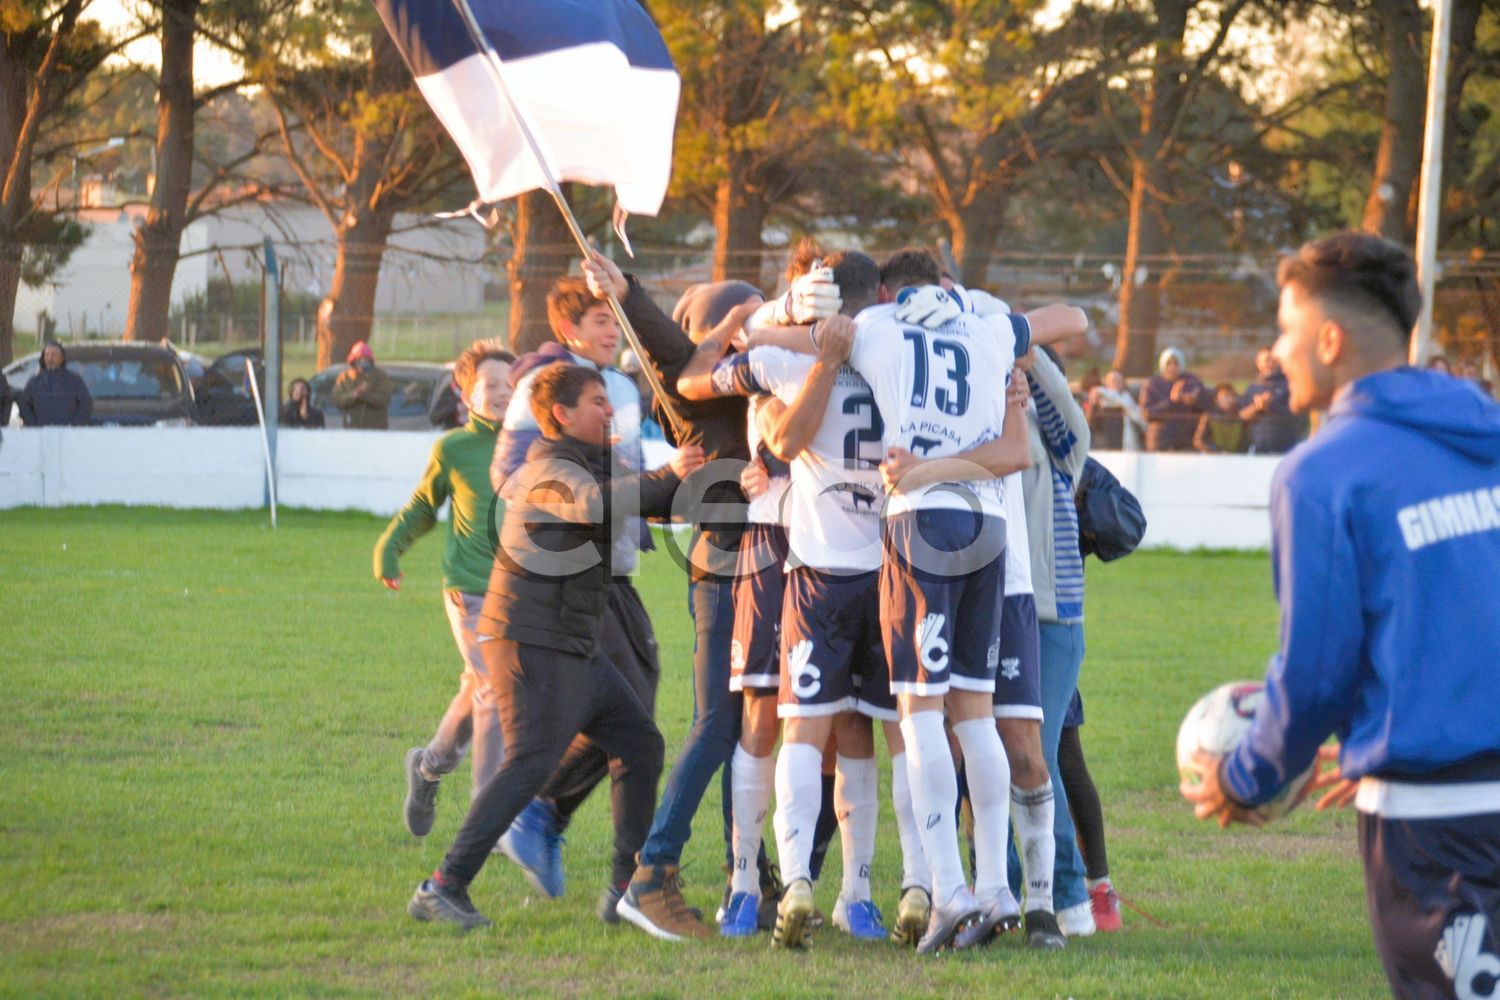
x,y
1429,203
492,60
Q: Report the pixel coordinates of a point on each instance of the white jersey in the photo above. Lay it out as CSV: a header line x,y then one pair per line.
x,y
1017,539
768,507
941,392
833,505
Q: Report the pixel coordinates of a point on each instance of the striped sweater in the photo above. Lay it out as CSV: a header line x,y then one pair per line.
x,y
1059,435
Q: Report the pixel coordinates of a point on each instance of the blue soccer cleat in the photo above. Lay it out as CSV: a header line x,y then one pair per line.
x,y
534,842
739,919
861,919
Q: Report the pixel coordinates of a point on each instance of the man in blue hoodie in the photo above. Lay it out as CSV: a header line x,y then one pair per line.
x,y
56,395
1386,556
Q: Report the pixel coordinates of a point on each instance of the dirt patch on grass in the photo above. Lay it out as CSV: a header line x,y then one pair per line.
x,y
64,929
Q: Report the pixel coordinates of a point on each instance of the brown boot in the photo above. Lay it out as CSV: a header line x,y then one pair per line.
x,y
653,902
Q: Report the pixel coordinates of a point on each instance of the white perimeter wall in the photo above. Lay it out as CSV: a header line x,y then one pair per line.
x,y
1191,501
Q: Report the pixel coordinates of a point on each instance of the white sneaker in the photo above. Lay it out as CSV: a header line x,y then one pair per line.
x,y
1077,921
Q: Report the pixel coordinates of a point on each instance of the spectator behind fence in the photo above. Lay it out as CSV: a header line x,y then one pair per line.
x,y
363,392
1172,400
1115,418
1266,408
1221,431
1438,363
299,411
56,396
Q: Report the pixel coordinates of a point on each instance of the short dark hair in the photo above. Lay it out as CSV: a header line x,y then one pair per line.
x,y
466,368
1225,387
910,266
1360,276
858,278
568,300
559,383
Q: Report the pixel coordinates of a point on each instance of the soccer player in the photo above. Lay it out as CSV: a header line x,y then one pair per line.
x,y
1386,553
457,471
1018,686
541,619
942,578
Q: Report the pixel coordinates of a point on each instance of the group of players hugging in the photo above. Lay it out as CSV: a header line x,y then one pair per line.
x,y
850,455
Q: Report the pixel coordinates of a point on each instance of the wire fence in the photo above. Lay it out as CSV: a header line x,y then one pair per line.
x,y
1218,308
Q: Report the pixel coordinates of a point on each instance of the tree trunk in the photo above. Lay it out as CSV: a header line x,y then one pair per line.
x,y
974,228
1459,134
1150,186
10,287
739,218
346,315
158,241
15,179
1388,209
543,251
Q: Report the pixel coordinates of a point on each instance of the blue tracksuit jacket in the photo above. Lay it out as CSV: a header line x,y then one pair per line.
x,y
1386,560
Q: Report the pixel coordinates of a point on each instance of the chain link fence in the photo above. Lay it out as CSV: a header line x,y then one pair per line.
x,y
1219,309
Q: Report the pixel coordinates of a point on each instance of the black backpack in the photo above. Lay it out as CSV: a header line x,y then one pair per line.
x,y
1110,520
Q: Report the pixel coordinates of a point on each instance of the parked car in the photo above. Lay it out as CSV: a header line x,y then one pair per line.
x,y
417,393
133,384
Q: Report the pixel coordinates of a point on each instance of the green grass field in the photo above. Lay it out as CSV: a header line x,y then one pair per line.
x,y
202,787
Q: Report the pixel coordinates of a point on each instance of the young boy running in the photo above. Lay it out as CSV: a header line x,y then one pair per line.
x,y
457,472
541,620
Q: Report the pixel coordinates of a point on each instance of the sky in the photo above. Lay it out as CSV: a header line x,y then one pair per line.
x,y
211,65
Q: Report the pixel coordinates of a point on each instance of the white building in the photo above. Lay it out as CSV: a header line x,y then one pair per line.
x,y
437,268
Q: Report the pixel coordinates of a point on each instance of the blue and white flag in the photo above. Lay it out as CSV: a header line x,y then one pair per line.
x,y
591,80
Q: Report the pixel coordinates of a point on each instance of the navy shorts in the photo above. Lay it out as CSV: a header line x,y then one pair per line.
x,y
1433,887
941,586
1073,717
759,582
1018,681
831,645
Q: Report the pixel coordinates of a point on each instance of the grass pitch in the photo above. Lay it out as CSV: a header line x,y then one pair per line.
x,y
201,757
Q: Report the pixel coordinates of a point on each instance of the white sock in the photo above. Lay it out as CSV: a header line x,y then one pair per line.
x,y
1092,883
750,780
1033,813
914,870
934,791
989,793
799,797
856,800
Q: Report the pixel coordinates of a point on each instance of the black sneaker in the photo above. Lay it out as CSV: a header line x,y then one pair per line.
x,y
1042,930
421,795
770,895
435,901
606,910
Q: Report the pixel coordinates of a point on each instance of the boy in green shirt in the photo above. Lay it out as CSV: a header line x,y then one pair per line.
x,y
458,472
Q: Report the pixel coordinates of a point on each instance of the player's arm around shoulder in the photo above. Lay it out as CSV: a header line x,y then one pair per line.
x,y
697,380
1063,424
799,422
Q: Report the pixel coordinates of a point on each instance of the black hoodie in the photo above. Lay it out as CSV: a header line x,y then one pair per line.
x,y
58,397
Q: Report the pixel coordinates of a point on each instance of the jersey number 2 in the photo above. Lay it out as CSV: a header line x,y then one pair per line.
x,y
857,453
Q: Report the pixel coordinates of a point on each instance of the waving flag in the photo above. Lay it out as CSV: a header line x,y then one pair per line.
x,y
580,90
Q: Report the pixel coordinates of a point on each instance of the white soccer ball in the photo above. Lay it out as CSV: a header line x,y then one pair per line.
x,y
1216,724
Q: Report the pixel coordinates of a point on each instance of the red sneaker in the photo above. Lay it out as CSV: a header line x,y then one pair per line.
x,y
1106,907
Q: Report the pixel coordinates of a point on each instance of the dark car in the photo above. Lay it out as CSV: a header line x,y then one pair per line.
x,y
133,384
414,401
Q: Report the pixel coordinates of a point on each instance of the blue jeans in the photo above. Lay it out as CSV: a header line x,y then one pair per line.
x,y
716,726
1062,659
